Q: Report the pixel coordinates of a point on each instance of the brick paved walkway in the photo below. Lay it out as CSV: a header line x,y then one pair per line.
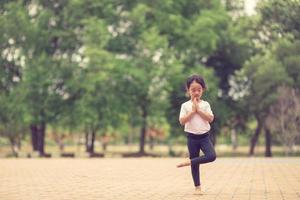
x,y
148,178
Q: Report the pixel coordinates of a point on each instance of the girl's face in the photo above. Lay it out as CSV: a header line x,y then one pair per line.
x,y
195,90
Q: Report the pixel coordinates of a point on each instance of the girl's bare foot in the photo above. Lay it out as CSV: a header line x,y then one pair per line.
x,y
184,164
198,190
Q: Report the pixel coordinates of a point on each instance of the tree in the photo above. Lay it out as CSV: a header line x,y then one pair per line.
x,y
283,119
148,76
13,118
284,113
44,59
276,21
280,18
264,74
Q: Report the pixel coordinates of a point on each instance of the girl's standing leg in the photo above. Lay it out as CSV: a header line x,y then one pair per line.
x,y
194,146
194,150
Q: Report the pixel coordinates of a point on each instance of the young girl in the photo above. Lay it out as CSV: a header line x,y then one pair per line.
x,y
196,115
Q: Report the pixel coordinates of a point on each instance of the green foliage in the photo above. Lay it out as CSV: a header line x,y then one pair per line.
x,y
13,116
106,63
265,75
287,53
281,16
204,32
95,34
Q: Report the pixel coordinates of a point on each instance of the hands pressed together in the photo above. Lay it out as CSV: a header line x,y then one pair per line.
x,y
195,108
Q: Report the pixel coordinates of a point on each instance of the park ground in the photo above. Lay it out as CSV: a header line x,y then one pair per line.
x,y
148,178
158,151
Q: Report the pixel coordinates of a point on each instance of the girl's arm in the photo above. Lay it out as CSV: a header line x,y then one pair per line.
x,y
206,116
187,117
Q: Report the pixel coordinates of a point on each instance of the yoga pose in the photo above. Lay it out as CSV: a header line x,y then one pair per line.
x,y
196,115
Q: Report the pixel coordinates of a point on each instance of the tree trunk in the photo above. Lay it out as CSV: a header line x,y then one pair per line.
x,y
104,147
19,142
255,136
268,151
151,142
38,137
234,139
13,146
87,144
143,131
90,135
41,138
92,145
34,136
170,147
130,137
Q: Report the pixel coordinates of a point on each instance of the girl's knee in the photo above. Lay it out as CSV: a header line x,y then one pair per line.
x,y
212,157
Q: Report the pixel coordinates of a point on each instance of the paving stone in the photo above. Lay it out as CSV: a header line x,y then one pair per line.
x,y
148,178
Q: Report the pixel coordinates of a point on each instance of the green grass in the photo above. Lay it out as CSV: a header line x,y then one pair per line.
x,y
159,150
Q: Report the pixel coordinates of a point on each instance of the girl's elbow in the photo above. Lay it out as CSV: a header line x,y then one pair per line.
x,y
211,119
181,122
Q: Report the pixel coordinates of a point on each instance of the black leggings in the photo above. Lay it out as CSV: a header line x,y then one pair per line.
x,y
195,143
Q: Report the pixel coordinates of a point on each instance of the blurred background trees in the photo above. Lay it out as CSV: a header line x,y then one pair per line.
x,y
116,69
